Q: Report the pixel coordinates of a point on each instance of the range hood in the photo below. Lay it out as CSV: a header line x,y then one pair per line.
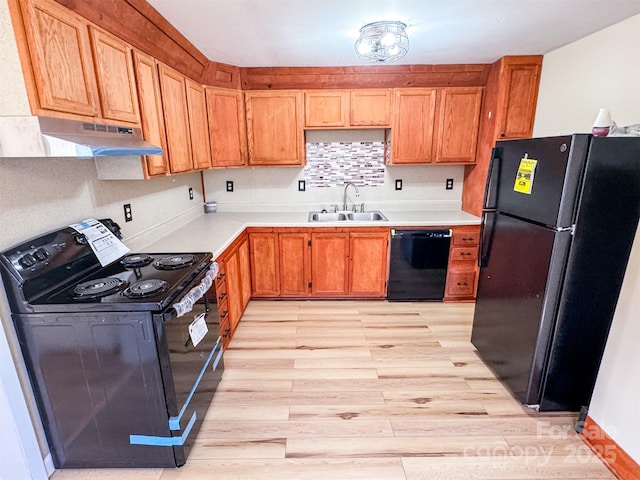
x,y
32,136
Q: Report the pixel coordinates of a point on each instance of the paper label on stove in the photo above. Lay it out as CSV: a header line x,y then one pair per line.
x,y
198,329
105,245
524,177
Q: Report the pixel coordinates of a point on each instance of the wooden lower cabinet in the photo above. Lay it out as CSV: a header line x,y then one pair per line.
x,y
294,264
280,262
237,281
329,264
320,263
462,274
368,264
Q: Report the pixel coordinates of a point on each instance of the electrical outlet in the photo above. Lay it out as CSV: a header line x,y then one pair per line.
x,y
190,193
302,185
449,184
128,216
229,186
399,184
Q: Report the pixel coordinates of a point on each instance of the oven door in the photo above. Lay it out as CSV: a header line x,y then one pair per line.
x,y
190,352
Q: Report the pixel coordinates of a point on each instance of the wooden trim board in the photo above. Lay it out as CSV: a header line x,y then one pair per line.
x,y
615,458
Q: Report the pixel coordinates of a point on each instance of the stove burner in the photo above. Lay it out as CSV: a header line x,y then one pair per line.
x,y
146,288
175,261
98,288
139,260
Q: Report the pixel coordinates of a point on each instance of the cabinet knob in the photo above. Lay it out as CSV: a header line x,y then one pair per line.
x,y
502,134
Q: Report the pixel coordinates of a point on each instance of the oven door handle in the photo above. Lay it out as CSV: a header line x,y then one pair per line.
x,y
186,303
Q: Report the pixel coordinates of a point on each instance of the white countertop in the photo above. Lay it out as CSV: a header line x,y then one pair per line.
x,y
214,232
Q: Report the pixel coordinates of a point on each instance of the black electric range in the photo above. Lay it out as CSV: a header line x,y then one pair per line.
x,y
124,359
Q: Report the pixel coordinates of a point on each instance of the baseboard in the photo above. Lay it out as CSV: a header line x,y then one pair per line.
x,y
48,464
615,458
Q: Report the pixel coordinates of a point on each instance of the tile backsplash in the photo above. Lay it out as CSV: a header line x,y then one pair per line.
x,y
336,157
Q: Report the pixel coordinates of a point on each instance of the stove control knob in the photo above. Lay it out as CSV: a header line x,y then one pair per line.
x,y
27,261
81,239
41,254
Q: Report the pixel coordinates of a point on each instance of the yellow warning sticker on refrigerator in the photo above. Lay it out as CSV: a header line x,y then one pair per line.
x,y
524,177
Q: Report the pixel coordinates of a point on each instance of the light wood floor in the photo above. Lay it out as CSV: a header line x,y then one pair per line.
x,y
346,390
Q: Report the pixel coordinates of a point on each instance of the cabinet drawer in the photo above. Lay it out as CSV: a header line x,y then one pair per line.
x,y
223,316
469,237
464,254
461,284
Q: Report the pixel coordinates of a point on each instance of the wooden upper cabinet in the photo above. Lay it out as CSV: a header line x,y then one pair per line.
x,y
413,125
347,108
198,127
275,131
227,128
176,119
61,62
519,95
459,119
151,116
326,108
115,75
370,108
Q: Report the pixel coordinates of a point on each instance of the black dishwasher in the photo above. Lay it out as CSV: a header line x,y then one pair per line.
x,y
418,264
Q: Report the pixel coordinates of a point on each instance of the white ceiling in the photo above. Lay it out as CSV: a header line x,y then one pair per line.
x,y
277,33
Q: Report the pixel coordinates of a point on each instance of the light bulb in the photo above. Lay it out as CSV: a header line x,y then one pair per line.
x,y
364,48
388,39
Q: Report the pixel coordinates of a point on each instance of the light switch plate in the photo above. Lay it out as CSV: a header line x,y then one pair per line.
x,y
399,184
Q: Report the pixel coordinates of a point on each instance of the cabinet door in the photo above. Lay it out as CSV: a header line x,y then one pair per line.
x,y
265,275
370,108
275,130
294,264
234,289
519,87
368,264
329,264
459,119
244,264
116,80
198,127
326,108
227,131
151,116
176,119
60,51
412,129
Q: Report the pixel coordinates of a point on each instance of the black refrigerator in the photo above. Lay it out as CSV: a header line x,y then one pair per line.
x,y
560,215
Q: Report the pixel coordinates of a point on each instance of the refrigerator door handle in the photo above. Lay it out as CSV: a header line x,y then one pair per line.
x,y
486,237
491,188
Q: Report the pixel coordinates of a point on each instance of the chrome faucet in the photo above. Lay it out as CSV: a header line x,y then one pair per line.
x,y
346,186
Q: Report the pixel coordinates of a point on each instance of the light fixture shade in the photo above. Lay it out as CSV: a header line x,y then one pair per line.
x,y
382,42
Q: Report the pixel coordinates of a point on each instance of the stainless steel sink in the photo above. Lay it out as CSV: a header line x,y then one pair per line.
x,y
373,216
326,217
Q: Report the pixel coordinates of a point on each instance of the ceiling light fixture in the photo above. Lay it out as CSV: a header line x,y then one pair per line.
x,y
382,42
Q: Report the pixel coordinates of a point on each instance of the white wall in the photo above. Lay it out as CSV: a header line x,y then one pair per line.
x,y
603,70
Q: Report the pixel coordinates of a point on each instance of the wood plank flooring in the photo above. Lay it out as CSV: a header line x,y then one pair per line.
x,y
347,390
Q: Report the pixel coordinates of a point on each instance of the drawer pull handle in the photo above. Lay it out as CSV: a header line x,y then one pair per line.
x,y
226,333
464,254
222,296
224,314
221,276
468,239
462,284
